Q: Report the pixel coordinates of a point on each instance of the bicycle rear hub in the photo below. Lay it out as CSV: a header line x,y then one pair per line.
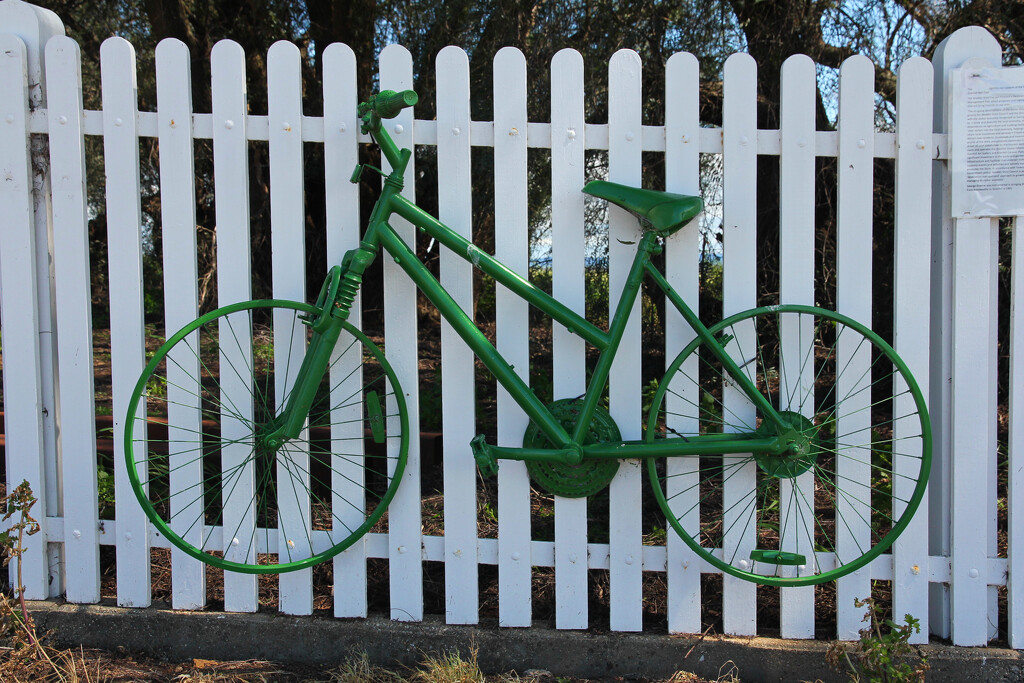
x,y
801,446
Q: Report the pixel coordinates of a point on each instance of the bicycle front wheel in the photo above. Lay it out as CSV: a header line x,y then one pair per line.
x,y
845,488
200,466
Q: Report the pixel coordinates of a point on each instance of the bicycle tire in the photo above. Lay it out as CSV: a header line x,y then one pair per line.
x,y
800,518
194,453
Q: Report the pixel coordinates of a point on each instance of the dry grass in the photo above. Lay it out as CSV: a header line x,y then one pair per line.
x,y
46,664
449,667
359,670
24,664
97,666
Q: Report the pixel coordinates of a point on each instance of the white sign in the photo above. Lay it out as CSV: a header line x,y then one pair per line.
x,y
987,137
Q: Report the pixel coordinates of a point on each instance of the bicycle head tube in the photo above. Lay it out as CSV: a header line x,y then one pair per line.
x,y
387,104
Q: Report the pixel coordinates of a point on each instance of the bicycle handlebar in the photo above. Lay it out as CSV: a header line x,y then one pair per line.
x,y
389,103
386,104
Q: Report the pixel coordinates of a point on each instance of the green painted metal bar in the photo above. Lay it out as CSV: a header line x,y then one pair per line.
x,y
568,456
388,148
617,327
307,380
733,370
666,448
504,276
464,326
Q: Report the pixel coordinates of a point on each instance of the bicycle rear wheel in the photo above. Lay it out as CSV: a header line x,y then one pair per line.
x,y
205,477
860,458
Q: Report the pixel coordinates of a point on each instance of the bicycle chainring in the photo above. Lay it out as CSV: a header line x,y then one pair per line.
x,y
583,479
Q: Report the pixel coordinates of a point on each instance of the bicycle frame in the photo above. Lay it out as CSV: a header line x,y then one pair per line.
x,y
381,235
270,449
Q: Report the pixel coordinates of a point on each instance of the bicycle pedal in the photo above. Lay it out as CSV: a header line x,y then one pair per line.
x,y
375,417
778,557
485,459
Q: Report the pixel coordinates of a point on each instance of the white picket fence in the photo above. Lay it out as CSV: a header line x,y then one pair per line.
x,y
944,569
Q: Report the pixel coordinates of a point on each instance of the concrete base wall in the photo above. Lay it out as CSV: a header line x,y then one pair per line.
x,y
321,640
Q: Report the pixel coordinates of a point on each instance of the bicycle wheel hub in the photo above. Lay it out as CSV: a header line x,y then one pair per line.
x,y
801,447
268,440
585,478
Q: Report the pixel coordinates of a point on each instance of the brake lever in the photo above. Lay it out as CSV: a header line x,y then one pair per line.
x,y
357,174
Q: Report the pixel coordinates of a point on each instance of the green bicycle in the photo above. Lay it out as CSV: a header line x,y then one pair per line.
x,y
787,445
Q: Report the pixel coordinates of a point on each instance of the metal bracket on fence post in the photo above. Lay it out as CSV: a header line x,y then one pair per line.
x,y
35,26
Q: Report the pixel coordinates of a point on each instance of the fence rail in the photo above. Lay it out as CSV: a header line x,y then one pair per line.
x,y
538,135
925,565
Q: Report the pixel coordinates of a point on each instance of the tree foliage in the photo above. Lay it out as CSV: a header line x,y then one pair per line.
x,y
829,31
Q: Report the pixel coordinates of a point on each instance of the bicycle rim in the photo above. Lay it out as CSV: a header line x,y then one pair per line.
x,y
862,447
205,478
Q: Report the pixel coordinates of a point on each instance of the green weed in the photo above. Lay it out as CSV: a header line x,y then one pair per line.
x,y
883,654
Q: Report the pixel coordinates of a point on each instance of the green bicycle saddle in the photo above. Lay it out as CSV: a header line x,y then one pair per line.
x,y
662,212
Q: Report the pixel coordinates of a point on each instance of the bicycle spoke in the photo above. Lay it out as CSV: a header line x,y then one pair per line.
x,y
725,423
869,464
836,507
325,504
284,463
245,514
744,427
201,484
746,525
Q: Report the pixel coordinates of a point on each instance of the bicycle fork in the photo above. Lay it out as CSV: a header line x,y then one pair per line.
x,y
334,303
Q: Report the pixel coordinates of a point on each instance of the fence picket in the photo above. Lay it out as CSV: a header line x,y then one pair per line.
x,y
682,269
739,142
400,328
181,295
458,404
287,230
853,298
74,319
127,324
991,497
341,153
912,266
511,246
972,323
35,26
1015,448
234,278
22,377
625,166
796,286
568,248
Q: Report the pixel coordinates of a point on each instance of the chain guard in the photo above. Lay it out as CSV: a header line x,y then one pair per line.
x,y
583,479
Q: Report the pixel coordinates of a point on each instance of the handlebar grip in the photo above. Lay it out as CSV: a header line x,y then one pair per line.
x,y
389,104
